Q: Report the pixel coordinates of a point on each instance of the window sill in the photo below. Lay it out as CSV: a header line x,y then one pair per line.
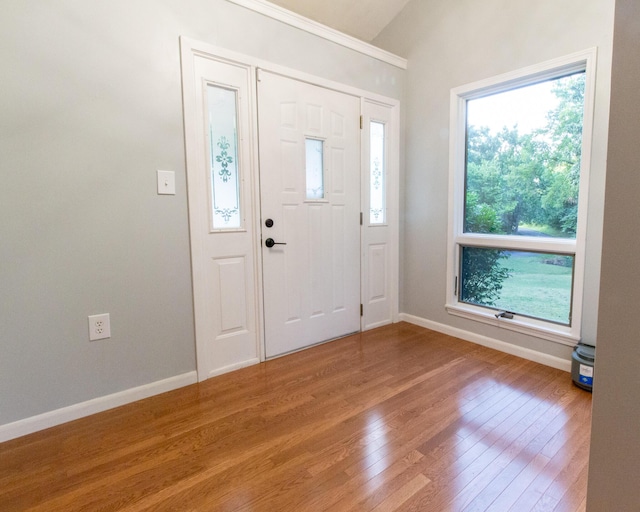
x,y
556,333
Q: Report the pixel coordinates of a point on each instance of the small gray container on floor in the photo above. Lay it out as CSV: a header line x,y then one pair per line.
x,y
582,363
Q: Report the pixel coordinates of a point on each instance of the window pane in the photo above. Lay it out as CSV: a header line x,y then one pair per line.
x,y
523,150
526,283
223,148
314,168
377,174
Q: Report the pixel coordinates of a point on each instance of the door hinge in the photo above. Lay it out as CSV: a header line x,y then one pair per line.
x,y
361,310
361,216
361,122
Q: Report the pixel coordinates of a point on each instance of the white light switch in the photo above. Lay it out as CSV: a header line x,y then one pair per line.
x,y
166,182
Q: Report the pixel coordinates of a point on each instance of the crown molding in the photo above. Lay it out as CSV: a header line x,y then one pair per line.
x,y
318,29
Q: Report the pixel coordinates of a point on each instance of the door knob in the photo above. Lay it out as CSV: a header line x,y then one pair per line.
x,y
268,223
270,242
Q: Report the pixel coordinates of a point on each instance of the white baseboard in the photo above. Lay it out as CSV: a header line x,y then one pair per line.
x,y
76,411
485,341
375,325
232,367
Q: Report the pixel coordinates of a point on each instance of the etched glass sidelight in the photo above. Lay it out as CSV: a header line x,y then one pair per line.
x,y
377,174
223,158
314,168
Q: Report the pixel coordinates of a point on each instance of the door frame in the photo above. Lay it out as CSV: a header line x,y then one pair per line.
x,y
190,49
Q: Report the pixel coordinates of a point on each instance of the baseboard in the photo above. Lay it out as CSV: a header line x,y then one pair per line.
x,y
103,403
232,367
485,341
375,325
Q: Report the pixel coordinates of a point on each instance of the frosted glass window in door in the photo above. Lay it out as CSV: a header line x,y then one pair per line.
x,y
377,172
314,168
223,157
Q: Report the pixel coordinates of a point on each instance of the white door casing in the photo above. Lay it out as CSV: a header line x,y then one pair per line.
x,y
223,259
311,284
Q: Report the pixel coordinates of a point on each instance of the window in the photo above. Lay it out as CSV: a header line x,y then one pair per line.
x,y
223,158
314,163
377,173
519,163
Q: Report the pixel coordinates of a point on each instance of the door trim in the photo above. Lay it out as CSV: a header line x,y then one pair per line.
x,y
190,49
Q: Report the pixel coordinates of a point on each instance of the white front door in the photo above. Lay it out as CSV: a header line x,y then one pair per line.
x,y
310,202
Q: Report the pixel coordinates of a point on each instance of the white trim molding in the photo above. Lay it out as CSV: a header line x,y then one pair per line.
x,y
318,29
76,411
232,367
485,341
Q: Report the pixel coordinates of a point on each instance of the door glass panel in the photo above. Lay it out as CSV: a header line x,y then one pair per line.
x,y
223,158
377,174
314,168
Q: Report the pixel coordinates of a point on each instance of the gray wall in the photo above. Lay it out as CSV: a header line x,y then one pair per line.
x,y
91,106
614,466
449,44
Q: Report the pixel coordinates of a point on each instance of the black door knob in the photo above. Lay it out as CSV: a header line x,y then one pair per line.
x,y
268,223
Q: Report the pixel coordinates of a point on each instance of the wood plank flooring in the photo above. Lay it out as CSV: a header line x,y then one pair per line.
x,y
399,418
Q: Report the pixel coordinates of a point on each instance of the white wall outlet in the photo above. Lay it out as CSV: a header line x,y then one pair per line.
x,y
166,182
99,327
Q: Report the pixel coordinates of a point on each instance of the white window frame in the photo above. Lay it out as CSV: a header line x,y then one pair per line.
x,y
568,335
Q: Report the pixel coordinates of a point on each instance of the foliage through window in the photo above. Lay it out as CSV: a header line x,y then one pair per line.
x,y
524,178
515,237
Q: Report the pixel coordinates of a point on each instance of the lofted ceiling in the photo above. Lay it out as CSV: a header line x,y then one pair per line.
x,y
363,19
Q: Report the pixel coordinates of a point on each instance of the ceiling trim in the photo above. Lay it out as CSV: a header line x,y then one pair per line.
x,y
313,27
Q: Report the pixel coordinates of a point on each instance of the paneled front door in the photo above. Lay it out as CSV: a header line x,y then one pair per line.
x,y
310,201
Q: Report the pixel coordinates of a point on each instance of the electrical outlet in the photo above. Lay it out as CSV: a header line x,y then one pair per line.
x,y
99,327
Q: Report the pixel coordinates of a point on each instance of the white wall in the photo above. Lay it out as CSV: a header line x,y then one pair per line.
x,y
91,106
614,463
449,44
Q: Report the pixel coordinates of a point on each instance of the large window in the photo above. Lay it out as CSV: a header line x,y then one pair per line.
x,y
520,147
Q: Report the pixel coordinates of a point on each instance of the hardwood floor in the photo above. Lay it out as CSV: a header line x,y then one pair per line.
x,y
399,418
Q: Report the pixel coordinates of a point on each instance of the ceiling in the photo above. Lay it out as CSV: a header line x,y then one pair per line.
x,y
363,19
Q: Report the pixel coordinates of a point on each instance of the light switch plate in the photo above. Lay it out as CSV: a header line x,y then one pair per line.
x,y
166,182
